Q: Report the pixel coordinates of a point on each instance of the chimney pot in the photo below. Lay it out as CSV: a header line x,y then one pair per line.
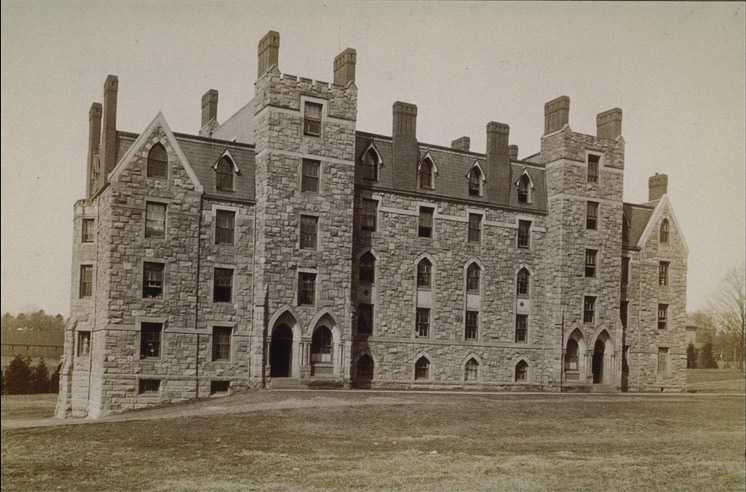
x,y
344,67
268,52
513,152
657,186
209,107
556,114
462,143
405,119
609,124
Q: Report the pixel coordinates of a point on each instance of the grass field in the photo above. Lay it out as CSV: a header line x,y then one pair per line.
x,y
338,440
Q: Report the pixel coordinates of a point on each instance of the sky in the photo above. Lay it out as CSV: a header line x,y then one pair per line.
x,y
675,69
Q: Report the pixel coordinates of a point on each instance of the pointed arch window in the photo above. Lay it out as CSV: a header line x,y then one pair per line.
x,y
522,283
473,273
224,174
368,269
524,189
475,181
665,229
521,371
422,368
157,161
426,174
365,367
572,355
471,370
371,160
424,273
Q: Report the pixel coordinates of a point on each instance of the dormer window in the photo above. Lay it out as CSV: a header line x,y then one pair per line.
x,y
224,174
475,182
312,119
371,160
157,161
525,188
426,173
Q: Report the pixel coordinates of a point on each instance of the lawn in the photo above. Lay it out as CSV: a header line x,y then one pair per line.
x,y
338,440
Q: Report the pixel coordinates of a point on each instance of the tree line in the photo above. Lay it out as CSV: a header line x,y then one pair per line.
x,y
38,321
23,378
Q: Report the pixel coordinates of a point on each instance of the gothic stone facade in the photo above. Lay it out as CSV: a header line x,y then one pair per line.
x,y
284,247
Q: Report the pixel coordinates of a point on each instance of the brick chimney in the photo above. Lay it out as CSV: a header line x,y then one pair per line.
x,y
108,152
609,124
268,52
657,186
462,143
498,162
209,107
94,140
513,152
344,67
404,144
556,114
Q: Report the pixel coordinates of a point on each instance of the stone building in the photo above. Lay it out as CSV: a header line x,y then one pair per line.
x,y
284,247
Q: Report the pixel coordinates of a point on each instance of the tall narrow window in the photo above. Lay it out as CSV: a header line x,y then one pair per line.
x,y
591,218
662,316
370,165
425,226
308,231
662,360
321,345
145,386
221,342
367,269
590,262
306,288
365,319
475,182
84,343
150,340
310,176
423,322
365,367
312,119
471,326
222,285
593,161
224,175
664,231
589,309
522,286
86,281
572,355
369,215
472,278
87,231
524,233
157,162
155,220
475,228
152,280
424,273
623,309
625,270
471,370
521,371
422,369
663,273
524,189
225,223
425,174
521,328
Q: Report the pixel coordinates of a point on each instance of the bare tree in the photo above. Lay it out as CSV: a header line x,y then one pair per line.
x,y
728,307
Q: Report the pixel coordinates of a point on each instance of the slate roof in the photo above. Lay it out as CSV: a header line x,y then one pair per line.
x,y
202,153
637,217
453,166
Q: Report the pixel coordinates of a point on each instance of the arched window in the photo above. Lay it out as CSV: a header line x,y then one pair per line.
x,y
522,284
365,367
472,278
224,175
370,165
524,189
475,182
368,268
157,161
424,273
471,370
571,355
422,368
425,174
321,345
521,371
664,231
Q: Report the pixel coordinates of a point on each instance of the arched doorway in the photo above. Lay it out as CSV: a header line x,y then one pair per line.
x,y
598,362
572,360
321,352
281,352
365,367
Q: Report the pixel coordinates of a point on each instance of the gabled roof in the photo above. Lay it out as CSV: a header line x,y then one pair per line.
x,y
663,207
637,216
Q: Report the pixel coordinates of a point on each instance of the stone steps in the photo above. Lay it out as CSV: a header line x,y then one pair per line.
x,y
285,383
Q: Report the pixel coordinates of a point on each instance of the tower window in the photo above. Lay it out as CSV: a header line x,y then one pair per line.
x,y
423,322
521,328
662,316
308,231
155,220
663,273
424,273
365,319
475,228
87,231
472,278
150,340
310,176
369,215
152,280
593,161
425,227
222,285
86,281
306,288
522,283
367,269
591,219
471,325
590,262
589,309
312,119
524,233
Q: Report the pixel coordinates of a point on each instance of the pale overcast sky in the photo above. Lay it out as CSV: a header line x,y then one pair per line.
x,y
676,70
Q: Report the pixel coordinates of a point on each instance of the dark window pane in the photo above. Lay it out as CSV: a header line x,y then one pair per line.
x,y
157,162
225,221
222,285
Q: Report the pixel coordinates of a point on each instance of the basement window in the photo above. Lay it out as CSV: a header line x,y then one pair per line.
x,y
149,386
218,387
